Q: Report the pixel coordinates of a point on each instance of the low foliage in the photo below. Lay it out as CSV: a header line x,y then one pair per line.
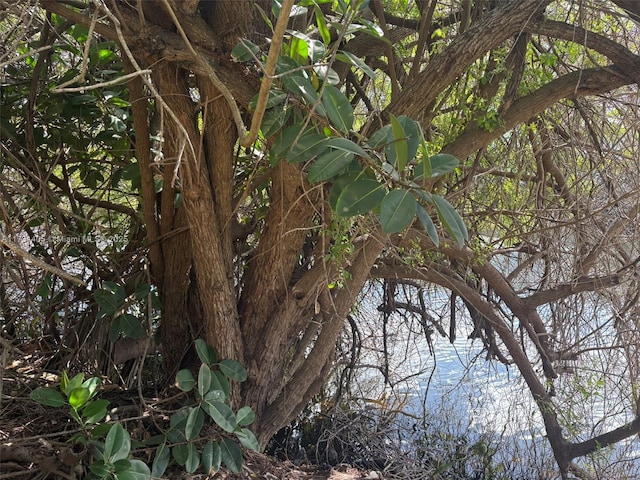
x,y
184,442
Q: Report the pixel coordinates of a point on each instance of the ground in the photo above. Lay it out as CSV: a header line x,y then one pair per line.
x,y
34,438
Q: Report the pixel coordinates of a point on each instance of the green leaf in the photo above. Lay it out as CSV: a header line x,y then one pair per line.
x,y
302,87
193,458
99,469
382,137
428,224
245,416
78,397
400,148
75,382
221,414
233,369
48,396
299,49
138,470
214,396
117,445
307,147
442,163
451,219
248,439
359,197
339,110
397,210
202,349
129,326
195,421
95,411
180,453
245,51
339,185
110,299
329,165
93,385
347,145
285,140
204,379
211,458
274,119
348,57
161,460
185,380
220,382
231,455
321,22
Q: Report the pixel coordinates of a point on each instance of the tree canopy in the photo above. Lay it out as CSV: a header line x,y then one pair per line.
x,y
238,171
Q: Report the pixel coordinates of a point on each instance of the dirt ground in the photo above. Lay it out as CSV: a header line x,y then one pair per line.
x,y
33,438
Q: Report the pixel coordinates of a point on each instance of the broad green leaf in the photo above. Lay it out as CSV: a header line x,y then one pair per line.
x,y
339,184
397,210
321,22
382,137
276,97
110,299
130,326
214,396
302,87
245,416
75,382
348,57
248,439
329,165
274,120
185,380
193,458
211,458
78,397
346,145
359,197
161,460
138,470
220,382
245,51
312,50
326,74
428,225
231,455
399,145
180,453
221,414
451,219
204,354
299,48
117,445
48,396
195,421
101,430
285,140
204,379
442,163
423,168
95,411
233,369
338,108
99,469
93,385
307,147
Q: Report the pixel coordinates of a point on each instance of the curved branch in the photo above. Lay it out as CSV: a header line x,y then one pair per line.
x,y
615,52
499,25
593,81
